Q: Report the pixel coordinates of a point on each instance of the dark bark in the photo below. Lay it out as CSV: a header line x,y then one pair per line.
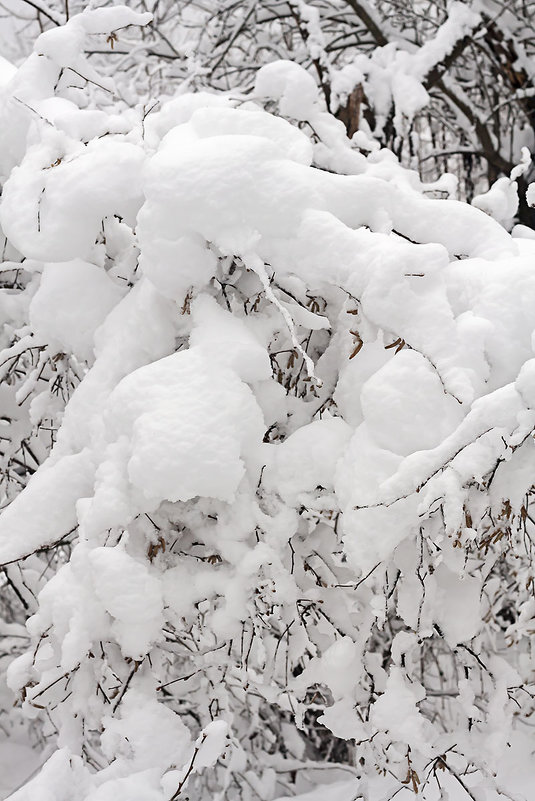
x,y
350,113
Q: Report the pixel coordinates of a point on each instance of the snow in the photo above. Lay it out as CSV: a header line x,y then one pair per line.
x,y
458,604
227,341
530,195
461,20
45,513
82,296
396,712
189,422
308,458
395,73
289,84
131,595
184,479
7,71
294,399
54,202
138,330
405,407
150,730
335,668
62,777
500,202
512,479
17,764
209,122
211,744
63,44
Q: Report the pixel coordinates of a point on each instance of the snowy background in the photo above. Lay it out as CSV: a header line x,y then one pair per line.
x,y
267,407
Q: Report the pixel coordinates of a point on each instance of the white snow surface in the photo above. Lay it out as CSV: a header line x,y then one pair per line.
x,y
82,296
266,356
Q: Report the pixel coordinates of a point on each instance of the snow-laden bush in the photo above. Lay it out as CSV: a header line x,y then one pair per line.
x,y
274,406
448,85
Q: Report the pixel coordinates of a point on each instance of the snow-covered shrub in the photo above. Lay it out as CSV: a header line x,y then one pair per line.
x,y
267,442
447,84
